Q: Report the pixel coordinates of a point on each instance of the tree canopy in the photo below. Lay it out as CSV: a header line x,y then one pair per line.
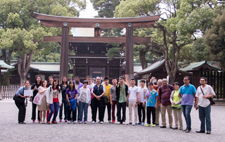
x,y
180,21
22,34
215,39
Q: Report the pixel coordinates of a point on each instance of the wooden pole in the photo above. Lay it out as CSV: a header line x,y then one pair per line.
x,y
74,71
129,71
97,32
64,55
0,85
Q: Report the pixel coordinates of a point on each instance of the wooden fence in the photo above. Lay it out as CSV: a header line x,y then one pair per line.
x,y
217,81
7,92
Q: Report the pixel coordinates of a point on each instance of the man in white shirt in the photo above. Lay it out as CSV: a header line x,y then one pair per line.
x,y
141,108
132,99
204,92
90,86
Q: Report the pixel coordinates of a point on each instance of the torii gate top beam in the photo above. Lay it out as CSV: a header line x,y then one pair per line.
x,y
61,21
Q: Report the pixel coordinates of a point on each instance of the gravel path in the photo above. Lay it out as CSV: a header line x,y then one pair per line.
x,y
11,131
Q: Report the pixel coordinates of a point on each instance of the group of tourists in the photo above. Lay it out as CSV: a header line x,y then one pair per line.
x,y
146,100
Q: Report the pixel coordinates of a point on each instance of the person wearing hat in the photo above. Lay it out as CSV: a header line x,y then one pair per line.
x,y
84,100
107,93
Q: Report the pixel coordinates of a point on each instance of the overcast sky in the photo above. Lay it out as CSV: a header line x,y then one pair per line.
x,y
89,12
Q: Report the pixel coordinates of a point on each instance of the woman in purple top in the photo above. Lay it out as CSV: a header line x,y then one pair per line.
x,y
71,93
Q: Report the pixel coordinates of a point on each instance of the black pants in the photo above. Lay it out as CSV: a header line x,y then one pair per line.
x,y
34,106
108,106
22,111
150,110
74,117
141,113
63,107
100,105
92,101
119,107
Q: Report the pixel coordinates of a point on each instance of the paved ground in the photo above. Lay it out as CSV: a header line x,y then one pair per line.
x,y
10,131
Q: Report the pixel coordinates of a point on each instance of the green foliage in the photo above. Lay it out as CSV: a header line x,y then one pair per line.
x,y
106,8
22,41
21,35
200,50
180,21
135,8
113,52
214,39
22,31
186,54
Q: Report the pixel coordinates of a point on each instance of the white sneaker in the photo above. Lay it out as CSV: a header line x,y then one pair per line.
x,y
75,122
68,122
80,122
118,123
101,122
85,122
133,124
93,122
142,124
110,121
124,123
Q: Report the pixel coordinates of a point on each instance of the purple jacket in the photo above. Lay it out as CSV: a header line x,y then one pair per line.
x,y
79,86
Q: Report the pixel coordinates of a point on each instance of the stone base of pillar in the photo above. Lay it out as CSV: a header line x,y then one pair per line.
x,y
128,77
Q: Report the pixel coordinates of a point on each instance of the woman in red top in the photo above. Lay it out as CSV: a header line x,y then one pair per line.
x,y
54,100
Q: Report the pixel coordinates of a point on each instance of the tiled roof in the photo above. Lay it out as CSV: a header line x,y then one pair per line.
x,y
152,67
4,65
195,65
46,66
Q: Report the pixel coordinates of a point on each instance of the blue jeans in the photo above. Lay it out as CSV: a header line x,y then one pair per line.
x,y
83,108
187,115
63,106
204,116
54,108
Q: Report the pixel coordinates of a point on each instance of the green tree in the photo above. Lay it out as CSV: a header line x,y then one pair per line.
x,y
180,21
215,39
200,50
106,9
23,34
145,53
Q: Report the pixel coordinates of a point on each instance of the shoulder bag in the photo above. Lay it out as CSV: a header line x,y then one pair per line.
x,y
18,99
212,102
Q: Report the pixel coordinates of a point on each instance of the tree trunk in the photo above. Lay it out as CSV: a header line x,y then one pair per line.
x,y
170,65
23,78
24,66
142,59
172,77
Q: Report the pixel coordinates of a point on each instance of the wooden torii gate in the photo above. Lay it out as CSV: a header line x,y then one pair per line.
x,y
106,23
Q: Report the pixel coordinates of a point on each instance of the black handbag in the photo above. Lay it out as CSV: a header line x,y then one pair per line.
x,y
18,99
212,102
